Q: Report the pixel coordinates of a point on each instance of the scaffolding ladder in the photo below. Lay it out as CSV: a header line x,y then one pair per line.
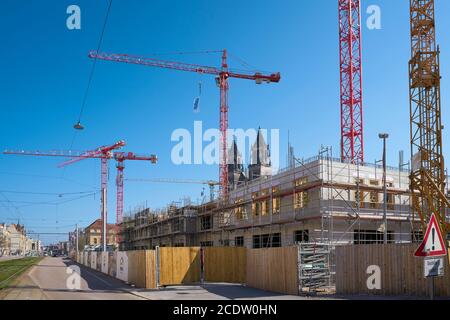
x,y
314,267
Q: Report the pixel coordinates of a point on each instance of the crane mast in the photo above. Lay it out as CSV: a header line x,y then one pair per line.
x,y
351,92
428,175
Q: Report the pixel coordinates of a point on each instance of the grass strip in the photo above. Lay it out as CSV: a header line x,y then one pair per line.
x,y
11,269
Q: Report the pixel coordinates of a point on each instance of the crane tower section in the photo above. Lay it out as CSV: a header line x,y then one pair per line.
x,y
351,94
427,176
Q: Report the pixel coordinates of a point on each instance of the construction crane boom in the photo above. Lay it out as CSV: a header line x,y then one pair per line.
x,y
222,75
121,157
428,175
209,183
103,153
152,62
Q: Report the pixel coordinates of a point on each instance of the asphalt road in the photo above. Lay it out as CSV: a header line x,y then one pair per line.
x,y
51,276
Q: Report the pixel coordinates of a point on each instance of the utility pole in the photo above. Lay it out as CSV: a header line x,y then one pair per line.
x,y
76,239
384,136
104,220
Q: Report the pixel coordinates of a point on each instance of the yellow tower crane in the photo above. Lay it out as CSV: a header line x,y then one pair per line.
x,y
428,174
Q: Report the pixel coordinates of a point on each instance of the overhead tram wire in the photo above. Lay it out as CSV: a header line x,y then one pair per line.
x,y
47,193
91,74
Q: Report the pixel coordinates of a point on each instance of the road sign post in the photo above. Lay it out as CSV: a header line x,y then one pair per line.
x,y
433,249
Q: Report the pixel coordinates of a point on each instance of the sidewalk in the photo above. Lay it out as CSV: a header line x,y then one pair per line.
x,y
23,288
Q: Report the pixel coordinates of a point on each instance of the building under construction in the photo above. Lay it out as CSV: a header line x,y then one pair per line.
x,y
318,200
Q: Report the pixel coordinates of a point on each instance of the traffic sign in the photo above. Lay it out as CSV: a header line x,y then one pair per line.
x,y
433,267
433,244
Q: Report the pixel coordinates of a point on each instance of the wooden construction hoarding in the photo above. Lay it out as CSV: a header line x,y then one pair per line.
x,y
179,265
273,269
402,274
225,264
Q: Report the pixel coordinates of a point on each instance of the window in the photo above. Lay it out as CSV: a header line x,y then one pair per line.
x,y
265,203
301,236
179,244
301,198
256,207
372,237
359,198
239,211
95,240
206,223
206,244
390,201
267,240
239,241
225,243
416,236
276,201
374,199
359,195
176,225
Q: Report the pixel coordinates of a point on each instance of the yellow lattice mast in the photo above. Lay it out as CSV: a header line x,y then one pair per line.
x,y
428,175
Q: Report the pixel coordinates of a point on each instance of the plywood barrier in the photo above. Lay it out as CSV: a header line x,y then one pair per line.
x,y
93,259
273,269
112,265
86,259
104,262
401,272
150,272
227,264
137,265
179,265
122,266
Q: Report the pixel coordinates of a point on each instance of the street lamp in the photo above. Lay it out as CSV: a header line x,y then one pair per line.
x,y
384,136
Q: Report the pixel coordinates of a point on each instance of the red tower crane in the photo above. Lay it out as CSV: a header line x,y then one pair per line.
x,y
120,157
103,153
352,141
222,75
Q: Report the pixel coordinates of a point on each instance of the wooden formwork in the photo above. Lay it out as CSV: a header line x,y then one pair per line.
x,y
227,264
273,269
179,265
401,272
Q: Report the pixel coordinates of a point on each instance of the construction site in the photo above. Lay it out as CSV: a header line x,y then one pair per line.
x,y
314,227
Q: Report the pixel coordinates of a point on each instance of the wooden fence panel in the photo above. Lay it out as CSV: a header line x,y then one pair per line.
x,y
150,272
226,264
179,265
273,269
401,272
137,265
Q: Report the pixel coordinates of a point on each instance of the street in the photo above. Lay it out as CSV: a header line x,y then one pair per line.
x,y
48,281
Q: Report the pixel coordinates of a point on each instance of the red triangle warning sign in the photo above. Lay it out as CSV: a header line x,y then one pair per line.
x,y
433,244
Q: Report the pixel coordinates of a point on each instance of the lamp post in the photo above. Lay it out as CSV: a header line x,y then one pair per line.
x,y
384,136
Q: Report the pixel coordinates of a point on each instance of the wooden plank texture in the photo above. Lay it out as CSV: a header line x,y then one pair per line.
x,y
179,265
273,269
401,272
227,264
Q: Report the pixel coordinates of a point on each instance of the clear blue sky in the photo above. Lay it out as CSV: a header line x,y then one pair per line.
x,y
44,73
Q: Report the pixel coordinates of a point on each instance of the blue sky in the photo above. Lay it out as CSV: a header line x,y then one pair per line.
x,y
45,72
